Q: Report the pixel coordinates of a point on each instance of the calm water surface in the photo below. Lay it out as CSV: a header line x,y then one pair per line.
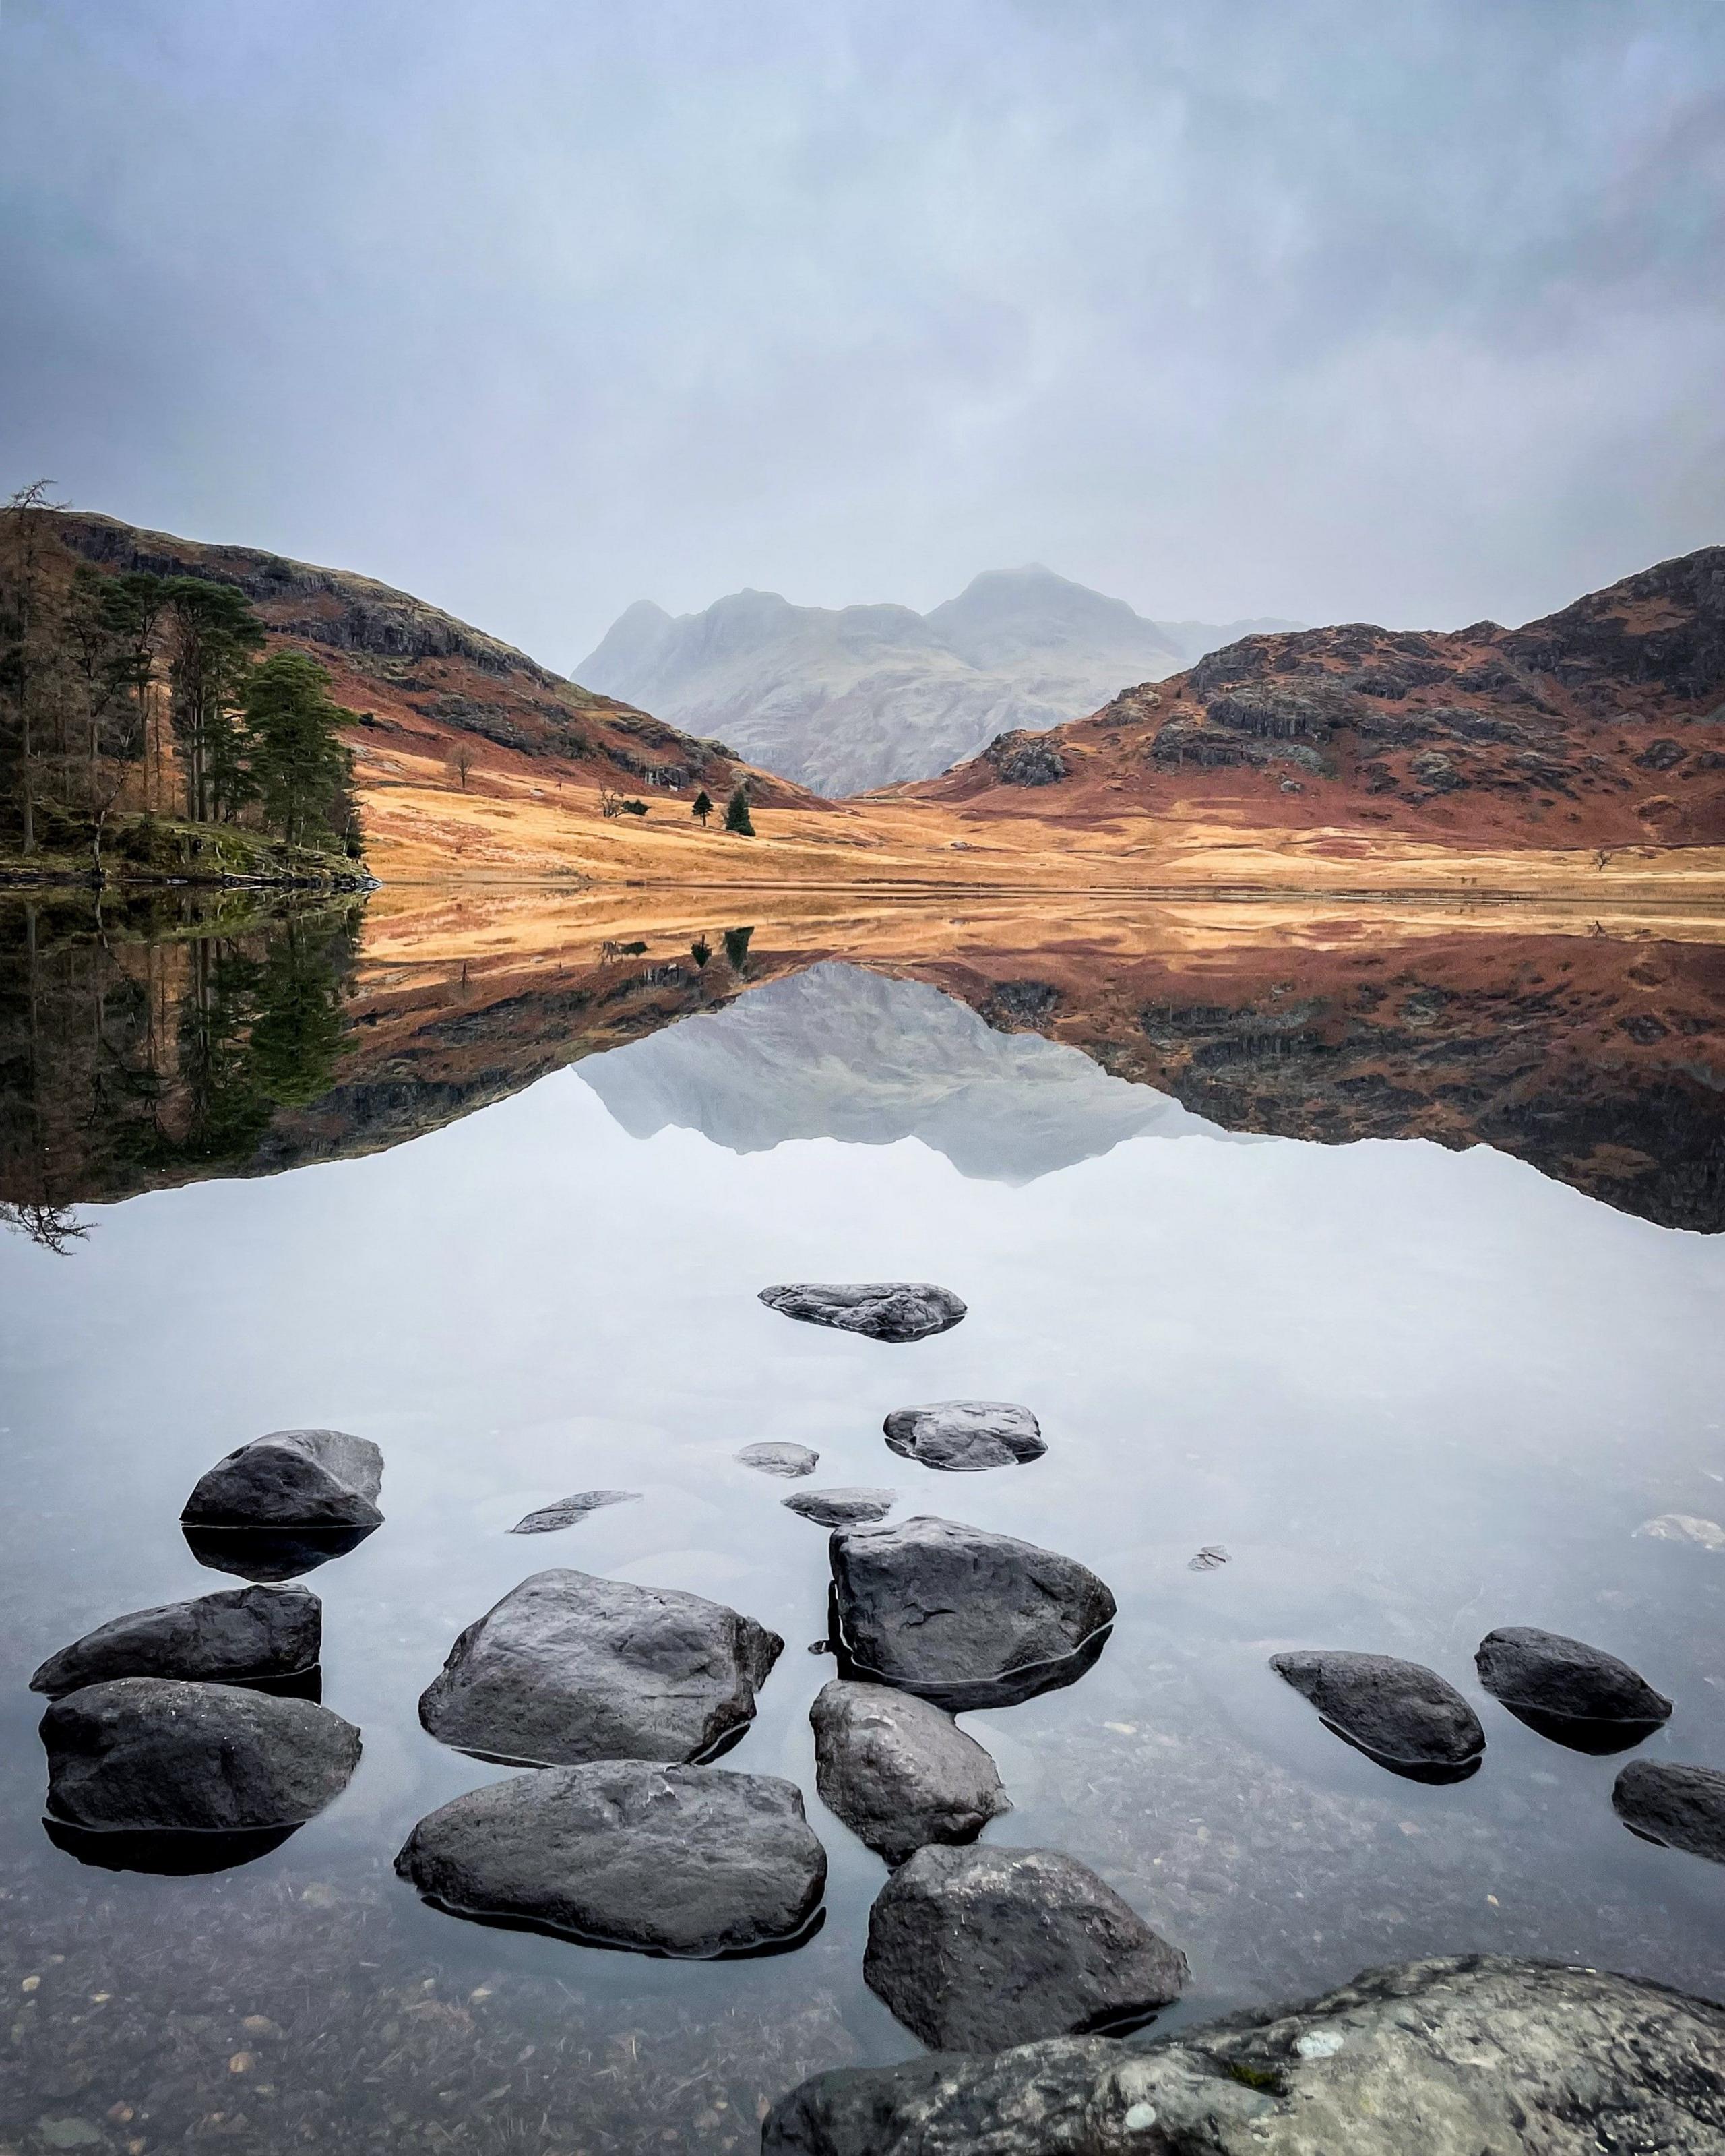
x,y
1414,1393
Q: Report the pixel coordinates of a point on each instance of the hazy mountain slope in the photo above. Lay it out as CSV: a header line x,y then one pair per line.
x,y
849,698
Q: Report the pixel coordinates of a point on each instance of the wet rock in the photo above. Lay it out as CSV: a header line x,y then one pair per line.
x,y
292,1478
267,1554
965,1436
681,1860
885,1310
1481,2057
842,1508
1576,1694
1400,1714
789,1460
964,1617
1683,1807
976,1948
567,1511
898,1771
569,1668
232,1637
159,1755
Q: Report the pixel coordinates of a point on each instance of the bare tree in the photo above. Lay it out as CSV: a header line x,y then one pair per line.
x,y
610,802
461,760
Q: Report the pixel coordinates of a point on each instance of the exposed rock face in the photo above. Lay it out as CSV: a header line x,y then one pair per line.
x,y
569,1668
976,1948
685,1860
155,1755
1476,2057
963,1617
898,1771
1401,1714
1023,760
1684,1807
965,1436
227,1638
842,1508
792,1461
567,1511
1575,1694
292,1478
885,1310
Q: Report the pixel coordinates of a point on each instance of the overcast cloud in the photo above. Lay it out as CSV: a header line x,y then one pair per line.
x,y
1317,308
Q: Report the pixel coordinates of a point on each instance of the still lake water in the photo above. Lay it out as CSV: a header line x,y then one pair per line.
x,y
1415,1392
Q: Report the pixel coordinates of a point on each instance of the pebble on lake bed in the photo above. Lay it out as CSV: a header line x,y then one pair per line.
x,y
567,1511
1683,1527
772,1456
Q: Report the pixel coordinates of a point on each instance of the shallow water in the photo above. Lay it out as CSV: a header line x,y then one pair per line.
x,y
1414,1393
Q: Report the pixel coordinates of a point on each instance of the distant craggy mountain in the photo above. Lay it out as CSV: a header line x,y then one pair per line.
x,y
846,699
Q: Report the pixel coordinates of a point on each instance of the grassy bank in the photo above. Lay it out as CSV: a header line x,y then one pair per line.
x,y
144,850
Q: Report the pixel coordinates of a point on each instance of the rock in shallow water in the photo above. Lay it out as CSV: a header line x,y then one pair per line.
x,y
1683,1807
567,1511
965,1436
885,1310
1572,1693
1402,1715
791,1461
898,1771
680,1860
231,1637
975,1948
158,1755
842,1508
570,1667
292,1478
963,1616
1481,2057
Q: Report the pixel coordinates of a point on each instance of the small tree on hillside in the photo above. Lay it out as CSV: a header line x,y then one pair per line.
x,y
736,812
703,807
700,951
461,761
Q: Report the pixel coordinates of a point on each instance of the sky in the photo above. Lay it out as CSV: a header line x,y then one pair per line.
x,y
1318,308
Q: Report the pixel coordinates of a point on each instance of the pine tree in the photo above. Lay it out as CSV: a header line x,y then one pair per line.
x,y
737,812
214,634
703,807
299,762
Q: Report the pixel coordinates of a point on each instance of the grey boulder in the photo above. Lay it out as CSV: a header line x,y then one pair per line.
x,y
1481,2057
885,1310
292,1478
234,1637
965,1436
771,1457
1683,1807
569,1667
841,1508
964,1617
977,1948
898,1771
1577,1694
684,1860
156,1754
1402,1715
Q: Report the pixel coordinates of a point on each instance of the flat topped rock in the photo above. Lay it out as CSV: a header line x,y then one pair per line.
x,y
771,1457
567,1511
898,1771
962,1437
569,1667
885,1310
842,1508
292,1478
1567,1690
976,1948
1683,1807
240,1634
965,1617
681,1860
1401,1714
157,1754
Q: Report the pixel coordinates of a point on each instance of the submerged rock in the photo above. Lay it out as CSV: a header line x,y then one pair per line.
x,y
1576,1694
963,1616
1402,1715
567,1511
976,1948
884,1310
1683,1807
231,1637
1684,1527
569,1667
965,1436
292,1478
773,1458
1481,2057
159,1755
686,1860
898,1771
842,1508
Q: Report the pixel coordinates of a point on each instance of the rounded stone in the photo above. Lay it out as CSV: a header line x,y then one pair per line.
x,y
1400,1714
239,1635
898,1771
292,1478
964,1437
896,1311
1575,1694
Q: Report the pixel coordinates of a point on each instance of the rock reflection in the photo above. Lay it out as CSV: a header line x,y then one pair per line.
x,y
168,1854
269,1555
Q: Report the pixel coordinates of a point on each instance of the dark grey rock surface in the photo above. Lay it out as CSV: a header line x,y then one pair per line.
x,y
1684,1807
899,1772
684,1860
158,1754
1576,1694
1405,1716
965,1436
230,1637
1481,2057
567,1511
976,1948
842,1508
963,1616
773,1457
885,1310
292,1478
569,1667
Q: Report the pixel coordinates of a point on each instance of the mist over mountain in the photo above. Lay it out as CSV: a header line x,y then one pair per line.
x,y
847,698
